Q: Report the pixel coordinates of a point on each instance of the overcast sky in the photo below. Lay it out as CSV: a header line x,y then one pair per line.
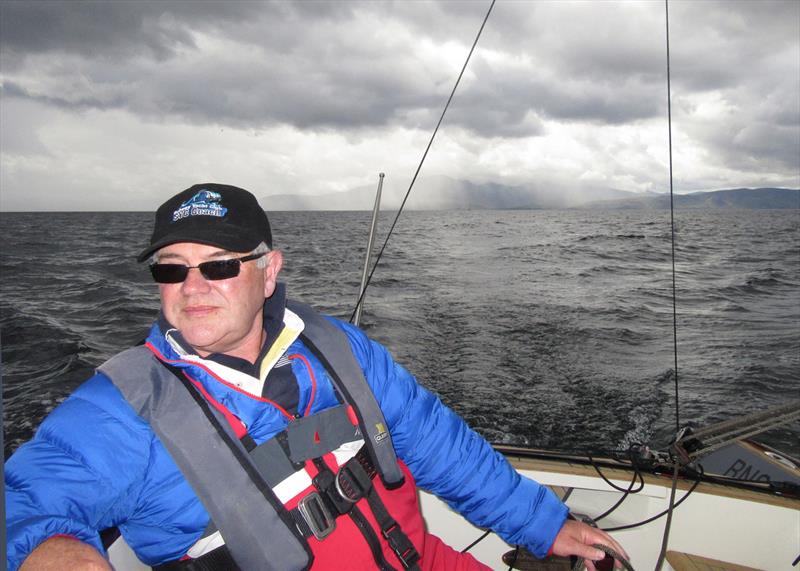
x,y
118,105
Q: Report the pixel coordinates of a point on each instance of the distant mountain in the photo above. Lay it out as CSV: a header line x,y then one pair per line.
x,y
748,198
444,193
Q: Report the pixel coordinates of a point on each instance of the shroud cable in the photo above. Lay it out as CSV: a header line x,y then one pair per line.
x,y
667,525
419,167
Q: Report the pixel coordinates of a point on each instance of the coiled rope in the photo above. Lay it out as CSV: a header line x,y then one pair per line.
x,y
579,564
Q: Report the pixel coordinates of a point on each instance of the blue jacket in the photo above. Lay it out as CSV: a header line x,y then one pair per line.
x,y
94,464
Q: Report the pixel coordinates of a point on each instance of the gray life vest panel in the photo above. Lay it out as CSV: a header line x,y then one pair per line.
x,y
225,478
331,346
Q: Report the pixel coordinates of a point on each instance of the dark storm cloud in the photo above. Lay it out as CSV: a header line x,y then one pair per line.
x,y
109,29
720,44
353,65
302,64
77,101
510,95
296,64
747,56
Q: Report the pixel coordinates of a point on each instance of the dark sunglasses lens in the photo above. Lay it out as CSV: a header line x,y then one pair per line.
x,y
221,270
169,273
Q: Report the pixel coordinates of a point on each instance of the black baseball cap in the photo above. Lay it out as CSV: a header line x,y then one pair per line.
x,y
215,214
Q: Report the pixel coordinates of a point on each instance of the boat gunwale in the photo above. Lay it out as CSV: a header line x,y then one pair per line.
x,y
554,462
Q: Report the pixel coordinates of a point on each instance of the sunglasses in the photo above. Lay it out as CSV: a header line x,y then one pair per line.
x,y
215,270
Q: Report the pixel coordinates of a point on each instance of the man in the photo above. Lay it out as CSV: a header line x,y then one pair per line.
x,y
249,432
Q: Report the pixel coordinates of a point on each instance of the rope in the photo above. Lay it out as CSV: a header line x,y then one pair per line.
x,y
579,563
657,516
613,485
422,160
477,541
624,494
516,554
625,491
695,444
608,551
665,540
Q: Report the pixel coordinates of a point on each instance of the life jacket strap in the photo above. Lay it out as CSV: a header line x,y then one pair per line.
x,y
393,533
337,494
332,348
350,483
313,517
353,482
316,515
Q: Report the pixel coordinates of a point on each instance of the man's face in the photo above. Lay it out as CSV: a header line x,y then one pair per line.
x,y
218,316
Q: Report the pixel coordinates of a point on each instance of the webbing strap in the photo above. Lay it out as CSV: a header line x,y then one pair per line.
x,y
335,490
325,481
393,533
216,465
353,482
331,346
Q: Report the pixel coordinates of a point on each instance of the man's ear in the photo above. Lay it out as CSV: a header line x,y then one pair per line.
x,y
271,271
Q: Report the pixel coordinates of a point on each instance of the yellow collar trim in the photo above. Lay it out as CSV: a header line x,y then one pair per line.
x,y
292,327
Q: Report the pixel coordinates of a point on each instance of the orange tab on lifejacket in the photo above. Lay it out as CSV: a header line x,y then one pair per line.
x,y
351,414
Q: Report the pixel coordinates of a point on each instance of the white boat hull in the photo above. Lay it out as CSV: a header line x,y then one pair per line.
x,y
738,526
717,522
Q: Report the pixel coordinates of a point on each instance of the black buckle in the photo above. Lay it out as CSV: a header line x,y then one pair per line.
x,y
316,515
352,482
401,545
326,484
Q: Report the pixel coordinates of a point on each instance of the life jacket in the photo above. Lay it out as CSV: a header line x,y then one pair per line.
x,y
327,491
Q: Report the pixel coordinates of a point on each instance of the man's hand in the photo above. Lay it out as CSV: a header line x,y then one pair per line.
x,y
577,538
65,554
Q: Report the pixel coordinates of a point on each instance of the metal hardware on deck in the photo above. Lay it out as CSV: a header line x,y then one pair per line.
x,y
690,445
368,255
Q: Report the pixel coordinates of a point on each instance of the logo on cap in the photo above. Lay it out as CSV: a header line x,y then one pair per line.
x,y
204,203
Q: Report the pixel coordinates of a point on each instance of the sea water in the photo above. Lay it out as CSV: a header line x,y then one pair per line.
x,y
550,329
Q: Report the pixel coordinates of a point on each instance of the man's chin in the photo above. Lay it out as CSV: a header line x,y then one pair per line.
x,y
203,342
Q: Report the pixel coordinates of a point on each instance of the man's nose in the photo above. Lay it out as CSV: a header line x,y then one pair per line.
x,y
195,281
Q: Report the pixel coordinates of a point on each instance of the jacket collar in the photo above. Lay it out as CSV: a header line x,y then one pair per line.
x,y
273,312
282,327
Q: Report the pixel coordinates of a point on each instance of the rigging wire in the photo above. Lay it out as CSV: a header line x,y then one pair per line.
x,y
672,504
422,160
665,540
672,229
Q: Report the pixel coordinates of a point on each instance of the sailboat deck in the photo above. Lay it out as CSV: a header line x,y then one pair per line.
x,y
688,562
622,475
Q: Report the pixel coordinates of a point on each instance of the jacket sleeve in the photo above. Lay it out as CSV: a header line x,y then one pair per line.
x,y
452,461
78,475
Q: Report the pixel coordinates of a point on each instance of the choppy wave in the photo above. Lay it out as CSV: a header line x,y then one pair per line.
x,y
542,328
